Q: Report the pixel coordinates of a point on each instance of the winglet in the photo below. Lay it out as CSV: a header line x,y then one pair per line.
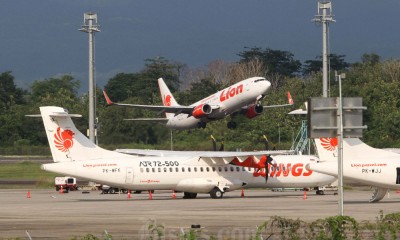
x,y
290,99
109,102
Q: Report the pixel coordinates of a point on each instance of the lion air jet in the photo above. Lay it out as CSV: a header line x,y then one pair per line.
x,y
75,155
361,164
241,98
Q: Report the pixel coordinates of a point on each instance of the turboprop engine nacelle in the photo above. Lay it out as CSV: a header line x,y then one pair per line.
x,y
201,111
254,110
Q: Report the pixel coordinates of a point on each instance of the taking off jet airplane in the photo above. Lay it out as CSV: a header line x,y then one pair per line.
x,y
361,163
75,155
241,98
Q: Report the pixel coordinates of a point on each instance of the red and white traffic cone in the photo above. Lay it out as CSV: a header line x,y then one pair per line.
x,y
61,189
305,195
242,195
129,193
150,195
28,195
173,194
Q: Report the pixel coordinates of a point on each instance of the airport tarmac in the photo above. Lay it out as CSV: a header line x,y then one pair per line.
x,y
48,214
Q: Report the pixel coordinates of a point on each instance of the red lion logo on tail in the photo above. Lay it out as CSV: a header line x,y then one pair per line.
x,y
63,140
329,144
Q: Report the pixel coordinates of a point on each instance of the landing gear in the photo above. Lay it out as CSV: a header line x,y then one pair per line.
x,y
320,192
216,193
231,125
189,195
201,125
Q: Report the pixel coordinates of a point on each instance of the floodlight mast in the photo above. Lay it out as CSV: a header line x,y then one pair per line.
x,y
324,17
90,26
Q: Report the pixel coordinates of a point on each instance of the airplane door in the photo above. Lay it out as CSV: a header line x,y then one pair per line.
x,y
129,175
398,176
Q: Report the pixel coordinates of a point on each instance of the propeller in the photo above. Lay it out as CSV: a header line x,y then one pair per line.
x,y
268,161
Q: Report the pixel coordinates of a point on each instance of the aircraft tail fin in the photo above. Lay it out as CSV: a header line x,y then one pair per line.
x,y
327,148
66,142
166,96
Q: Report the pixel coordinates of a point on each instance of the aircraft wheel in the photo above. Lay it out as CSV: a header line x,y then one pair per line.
x,y
112,190
188,195
216,193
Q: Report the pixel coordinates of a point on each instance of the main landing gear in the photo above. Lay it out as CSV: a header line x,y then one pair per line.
x,y
201,125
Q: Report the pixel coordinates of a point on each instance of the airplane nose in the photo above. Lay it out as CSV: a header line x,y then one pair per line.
x,y
266,85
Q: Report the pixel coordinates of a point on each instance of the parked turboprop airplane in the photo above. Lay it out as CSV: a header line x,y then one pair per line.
x,y
361,163
243,97
75,155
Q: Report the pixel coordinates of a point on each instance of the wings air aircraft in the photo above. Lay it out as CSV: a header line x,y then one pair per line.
x,y
241,98
75,155
361,164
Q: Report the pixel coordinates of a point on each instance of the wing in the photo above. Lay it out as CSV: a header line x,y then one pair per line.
x,y
167,109
290,102
246,159
158,120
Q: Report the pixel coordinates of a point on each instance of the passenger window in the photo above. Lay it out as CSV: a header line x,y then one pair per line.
x,y
183,169
220,169
226,169
201,169
188,169
165,169
170,169
147,170
232,169
153,170
238,169
159,169
243,169
177,169
207,169
195,169
141,169
213,168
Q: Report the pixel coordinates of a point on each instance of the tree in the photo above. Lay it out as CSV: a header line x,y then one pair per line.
x,y
274,61
9,93
336,62
371,58
64,87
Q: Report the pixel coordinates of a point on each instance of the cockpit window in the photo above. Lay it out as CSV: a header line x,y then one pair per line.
x,y
261,79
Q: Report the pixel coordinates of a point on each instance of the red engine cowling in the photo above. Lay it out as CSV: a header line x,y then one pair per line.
x,y
201,111
254,110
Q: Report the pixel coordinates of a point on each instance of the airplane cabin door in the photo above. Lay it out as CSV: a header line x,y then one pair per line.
x,y
398,176
129,175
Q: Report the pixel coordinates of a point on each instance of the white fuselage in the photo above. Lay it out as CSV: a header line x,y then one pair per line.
x,y
191,174
229,100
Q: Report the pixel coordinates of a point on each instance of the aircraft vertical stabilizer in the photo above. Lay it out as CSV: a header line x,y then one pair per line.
x,y
166,96
66,142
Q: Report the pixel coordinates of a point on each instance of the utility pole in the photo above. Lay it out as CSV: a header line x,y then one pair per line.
x,y
324,17
90,26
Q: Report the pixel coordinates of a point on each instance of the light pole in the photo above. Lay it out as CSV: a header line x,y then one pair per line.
x,y
90,26
324,17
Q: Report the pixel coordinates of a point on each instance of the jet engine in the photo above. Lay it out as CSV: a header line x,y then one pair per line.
x,y
254,110
201,111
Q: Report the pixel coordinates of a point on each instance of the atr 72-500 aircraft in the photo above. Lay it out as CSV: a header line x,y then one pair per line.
x,y
75,155
361,164
241,98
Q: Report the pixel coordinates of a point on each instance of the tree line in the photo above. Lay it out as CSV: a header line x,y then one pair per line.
x,y
375,80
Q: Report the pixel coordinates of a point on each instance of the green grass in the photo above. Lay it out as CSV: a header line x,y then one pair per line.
x,y
26,170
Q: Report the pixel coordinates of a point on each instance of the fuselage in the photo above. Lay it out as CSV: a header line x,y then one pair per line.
x,y
229,100
191,174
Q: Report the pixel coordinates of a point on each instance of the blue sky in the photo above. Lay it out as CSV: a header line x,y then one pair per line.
x,y
40,39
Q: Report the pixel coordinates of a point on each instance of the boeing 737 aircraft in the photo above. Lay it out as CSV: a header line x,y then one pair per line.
x,y
361,163
75,155
241,98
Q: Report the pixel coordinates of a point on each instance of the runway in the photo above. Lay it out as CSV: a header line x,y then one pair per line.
x,y
51,215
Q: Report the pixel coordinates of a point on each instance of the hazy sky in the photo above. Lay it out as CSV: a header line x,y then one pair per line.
x,y
40,39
